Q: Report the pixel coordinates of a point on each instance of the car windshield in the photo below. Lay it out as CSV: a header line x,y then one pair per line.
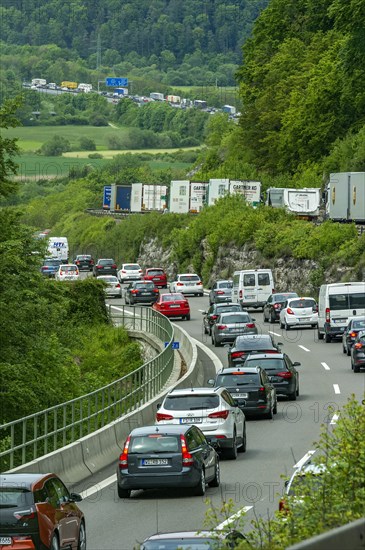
x,y
271,364
225,284
131,267
235,318
172,297
308,302
191,402
154,443
238,379
189,278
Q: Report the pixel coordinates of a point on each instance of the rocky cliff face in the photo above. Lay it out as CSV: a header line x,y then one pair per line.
x,y
290,274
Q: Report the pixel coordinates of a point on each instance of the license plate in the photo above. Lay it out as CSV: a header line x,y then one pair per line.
x,y
5,540
339,320
190,420
155,461
239,395
274,379
145,293
303,319
250,296
156,279
175,306
189,284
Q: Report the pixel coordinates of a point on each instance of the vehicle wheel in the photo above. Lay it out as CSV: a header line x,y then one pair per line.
x,y
187,317
201,294
297,392
287,327
55,545
272,319
265,318
344,349
199,490
123,493
292,396
242,449
320,335
348,351
282,325
205,330
233,451
328,339
81,545
270,414
217,476
275,409
215,343
352,365
356,368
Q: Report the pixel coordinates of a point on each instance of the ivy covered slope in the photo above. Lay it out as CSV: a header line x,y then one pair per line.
x,y
56,339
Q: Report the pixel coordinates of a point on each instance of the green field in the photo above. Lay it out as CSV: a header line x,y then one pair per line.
x,y
33,166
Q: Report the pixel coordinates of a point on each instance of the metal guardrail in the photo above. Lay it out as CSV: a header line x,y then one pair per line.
x,y
38,434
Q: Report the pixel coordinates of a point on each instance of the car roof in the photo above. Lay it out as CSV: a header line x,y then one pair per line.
x,y
69,265
150,268
224,313
103,259
187,534
24,480
190,391
230,370
265,356
160,429
255,337
302,298
180,274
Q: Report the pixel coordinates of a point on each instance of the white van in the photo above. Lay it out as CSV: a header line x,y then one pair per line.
x,y
252,287
337,302
58,248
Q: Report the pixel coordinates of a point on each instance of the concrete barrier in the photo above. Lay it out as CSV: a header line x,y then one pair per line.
x,y
347,537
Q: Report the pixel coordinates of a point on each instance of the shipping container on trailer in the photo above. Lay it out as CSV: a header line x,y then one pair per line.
x,y
173,98
120,197
157,96
230,109
154,197
198,195
106,197
180,196
303,202
275,197
217,189
345,199
136,197
251,190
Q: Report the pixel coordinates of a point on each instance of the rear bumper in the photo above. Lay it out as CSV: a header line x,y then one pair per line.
x,y
180,313
226,338
223,443
189,477
255,305
334,331
144,299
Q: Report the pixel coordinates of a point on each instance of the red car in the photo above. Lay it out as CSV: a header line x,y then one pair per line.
x,y
38,511
173,305
157,275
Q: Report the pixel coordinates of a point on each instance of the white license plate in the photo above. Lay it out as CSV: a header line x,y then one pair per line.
x,y
239,395
190,420
175,306
250,296
155,461
189,284
304,319
145,293
339,320
5,540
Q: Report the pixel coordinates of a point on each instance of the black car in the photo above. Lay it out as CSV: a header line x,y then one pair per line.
x,y
141,292
187,540
355,325
246,344
275,302
358,352
50,267
251,389
169,456
84,262
221,292
212,314
105,266
280,370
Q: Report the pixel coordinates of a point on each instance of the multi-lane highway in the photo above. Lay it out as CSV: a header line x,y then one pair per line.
x,y
254,480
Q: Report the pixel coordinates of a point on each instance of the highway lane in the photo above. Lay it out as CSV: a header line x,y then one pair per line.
x,y
252,481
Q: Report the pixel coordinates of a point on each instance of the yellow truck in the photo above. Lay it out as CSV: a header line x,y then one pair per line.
x,y
69,85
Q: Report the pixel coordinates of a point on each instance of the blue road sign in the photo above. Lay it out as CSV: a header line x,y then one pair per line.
x,y
175,345
116,82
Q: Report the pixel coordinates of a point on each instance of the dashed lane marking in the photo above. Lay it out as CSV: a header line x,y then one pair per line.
x,y
303,348
303,460
325,366
234,517
99,486
274,333
336,387
335,417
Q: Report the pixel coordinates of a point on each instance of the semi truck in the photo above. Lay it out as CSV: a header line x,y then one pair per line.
x,y
38,82
251,190
305,203
120,197
107,197
345,197
69,85
156,96
84,87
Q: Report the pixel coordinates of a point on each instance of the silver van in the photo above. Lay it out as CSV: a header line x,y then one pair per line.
x,y
252,287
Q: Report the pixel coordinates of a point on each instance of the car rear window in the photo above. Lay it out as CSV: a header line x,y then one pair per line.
x,y
83,258
225,284
131,267
272,365
236,318
358,324
189,278
154,443
228,309
241,379
264,342
51,263
184,544
15,497
302,303
106,262
111,279
283,297
172,297
347,301
68,268
155,272
357,301
147,286
191,402
263,279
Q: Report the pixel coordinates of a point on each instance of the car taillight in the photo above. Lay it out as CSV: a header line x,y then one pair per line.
x,y
250,325
117,286
273,291
261,389
237,354
187,458
219,414
114,266
284,374
155,290
200,283
123,271
163,416
358,345
78,262
282,506
353,334
91,262
221,327
25,515
61,272
220,292
123,459
328,315
214,317
289,311
134,291
240,294
99,267
179,284
277,306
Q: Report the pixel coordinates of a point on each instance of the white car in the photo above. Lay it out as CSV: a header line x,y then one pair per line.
x,y
130,272
113,287
213,410
188,283
299,311
67,272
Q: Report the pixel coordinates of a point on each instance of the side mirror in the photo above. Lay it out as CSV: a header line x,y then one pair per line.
x,y
253,319
158,406
235,402
204,312
211,381
296,364
75,497
280,344
286,482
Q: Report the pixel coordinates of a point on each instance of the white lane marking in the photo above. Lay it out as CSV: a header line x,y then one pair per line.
x,y
335,417
99,486
217,362
336,387
234,517
202,310
274,333
303,347
303,460
325,366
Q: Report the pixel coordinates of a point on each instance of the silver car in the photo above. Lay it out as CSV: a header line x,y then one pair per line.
x,y
113,288
221,292
188,283
230,325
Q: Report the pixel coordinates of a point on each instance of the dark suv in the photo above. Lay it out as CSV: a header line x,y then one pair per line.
x,y
37,511
251,389
280,370
212,314
159,457
249,343
355,325
275,302
105,266
84,262
358,352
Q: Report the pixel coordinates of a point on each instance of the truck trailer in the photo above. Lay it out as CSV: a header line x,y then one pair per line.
x,y
120,197
304,203
345,197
